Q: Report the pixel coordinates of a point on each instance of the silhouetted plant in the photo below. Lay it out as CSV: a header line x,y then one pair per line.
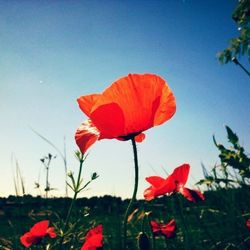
x,y
60,153
46,160
239,45
233,169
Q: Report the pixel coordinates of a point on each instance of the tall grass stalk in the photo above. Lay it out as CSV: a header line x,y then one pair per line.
x,y
17,177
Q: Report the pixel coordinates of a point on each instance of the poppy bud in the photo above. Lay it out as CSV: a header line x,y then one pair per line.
x,y
143,241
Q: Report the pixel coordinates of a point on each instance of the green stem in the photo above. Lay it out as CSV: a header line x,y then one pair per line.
x,y
76,191
187,239
47,182
134,194
151,232
166,243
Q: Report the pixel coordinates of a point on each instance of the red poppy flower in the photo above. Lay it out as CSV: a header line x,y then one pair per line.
x,y
168,230
124,110
159,186
173,183
93,239
248,223
37,233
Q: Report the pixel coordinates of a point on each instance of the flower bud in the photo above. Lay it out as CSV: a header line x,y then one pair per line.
x,y
94,176
70,174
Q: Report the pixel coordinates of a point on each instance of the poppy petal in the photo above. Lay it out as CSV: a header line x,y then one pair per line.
x,y
155,226
40,228
153,192
171,225
51,232
167,106
109,119
93,242
149,193
180,174
248,224
168,186
27,239
159,187
93,239
140,137
94,231
169,229
86,135
87,102
192,195
155,181
139,97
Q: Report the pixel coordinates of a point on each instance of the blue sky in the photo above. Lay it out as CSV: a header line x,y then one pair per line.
x,y
52,52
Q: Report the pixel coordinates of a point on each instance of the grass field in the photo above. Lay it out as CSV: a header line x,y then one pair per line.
x,y
219,222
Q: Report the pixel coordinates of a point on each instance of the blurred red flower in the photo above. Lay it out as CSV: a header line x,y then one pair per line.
x,y
93,239
168,230
248,223
37,233
124,110
174,183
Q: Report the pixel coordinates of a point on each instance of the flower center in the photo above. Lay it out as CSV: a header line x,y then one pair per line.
x,y
130,136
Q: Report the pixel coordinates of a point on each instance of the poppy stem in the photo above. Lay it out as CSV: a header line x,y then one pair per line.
x,y
134,194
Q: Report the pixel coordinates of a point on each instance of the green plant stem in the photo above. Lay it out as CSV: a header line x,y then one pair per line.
x,y
151,232
76,191
187,239
205,228
47,182
134,194
166,243
47,178
153,242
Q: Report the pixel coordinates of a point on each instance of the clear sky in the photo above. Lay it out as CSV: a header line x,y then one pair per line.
x,y
52,52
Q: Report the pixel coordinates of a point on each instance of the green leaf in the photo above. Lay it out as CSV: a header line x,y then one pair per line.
x,y
232,137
